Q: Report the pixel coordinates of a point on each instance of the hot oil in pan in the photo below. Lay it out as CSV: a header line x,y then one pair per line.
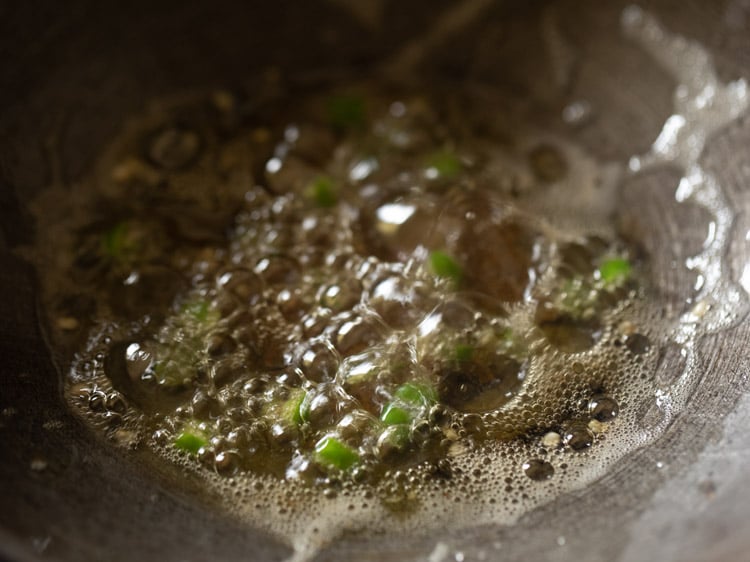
x,y
374,318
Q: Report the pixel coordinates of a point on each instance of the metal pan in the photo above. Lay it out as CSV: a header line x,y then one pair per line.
x,y
73,71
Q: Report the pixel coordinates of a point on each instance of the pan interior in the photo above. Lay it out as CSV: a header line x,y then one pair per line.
x,y
568,159
210,188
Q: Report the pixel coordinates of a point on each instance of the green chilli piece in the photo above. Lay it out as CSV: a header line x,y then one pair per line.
x,y
463,352
393,414
445,164
443,265
614,271
190,441
198,310
397,436
330,451
119,242
322,192
346,111
304,407
416,394
291,412
180,353
506,335
167,373
293,407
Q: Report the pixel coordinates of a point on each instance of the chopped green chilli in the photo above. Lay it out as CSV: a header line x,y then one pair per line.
x,y
416,394
330,451
443,165
614,271
395,437
198,310
394,414
443,265
304,407
294,407
346,112
120,242
190,441
322,192
464,352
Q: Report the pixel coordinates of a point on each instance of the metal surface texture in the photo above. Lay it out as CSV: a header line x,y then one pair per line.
x,y
73,71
